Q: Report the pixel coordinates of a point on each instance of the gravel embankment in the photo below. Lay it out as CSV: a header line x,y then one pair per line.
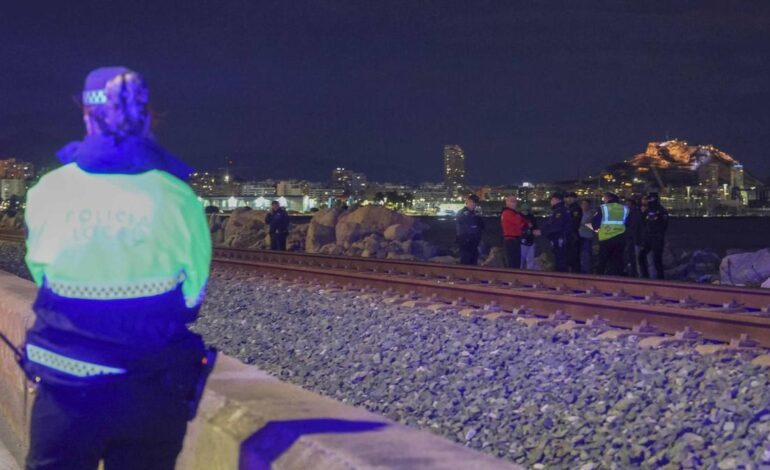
x,y
534,396
539,398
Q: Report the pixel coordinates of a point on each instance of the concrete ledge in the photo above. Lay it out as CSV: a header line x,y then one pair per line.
x,y
250,420
16,316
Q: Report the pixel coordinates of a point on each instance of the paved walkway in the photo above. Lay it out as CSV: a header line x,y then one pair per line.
x,y
7,461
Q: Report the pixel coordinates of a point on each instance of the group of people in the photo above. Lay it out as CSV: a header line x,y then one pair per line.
x,y
626,234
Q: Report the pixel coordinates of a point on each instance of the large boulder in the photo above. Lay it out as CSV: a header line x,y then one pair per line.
x,y
399,232
362,221
331,249
496,258
245,229
420,249
544,262
11,222
321,229
297,237
747,269
348,232
698,266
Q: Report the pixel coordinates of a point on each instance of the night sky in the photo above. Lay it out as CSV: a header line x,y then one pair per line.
x,y
532,90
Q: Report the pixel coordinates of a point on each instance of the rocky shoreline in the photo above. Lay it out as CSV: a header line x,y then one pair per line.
x,y
377,232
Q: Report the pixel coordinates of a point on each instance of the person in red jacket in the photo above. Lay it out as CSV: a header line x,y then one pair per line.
x,y
514,227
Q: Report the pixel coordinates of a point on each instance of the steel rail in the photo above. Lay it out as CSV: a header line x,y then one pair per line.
x,y
713,325
673,293
12,235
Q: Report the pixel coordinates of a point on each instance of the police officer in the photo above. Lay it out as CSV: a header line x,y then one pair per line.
x,y
470,226
573,238
278,220
119,247
654,226
610,221
633,235
557,229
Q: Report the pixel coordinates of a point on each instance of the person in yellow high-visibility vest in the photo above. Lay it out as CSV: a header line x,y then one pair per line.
x,y
610,223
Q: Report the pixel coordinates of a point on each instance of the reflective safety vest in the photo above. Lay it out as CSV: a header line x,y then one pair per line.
x,y
122,262
613,220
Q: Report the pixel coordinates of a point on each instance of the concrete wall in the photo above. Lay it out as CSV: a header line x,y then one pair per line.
x,y
248,415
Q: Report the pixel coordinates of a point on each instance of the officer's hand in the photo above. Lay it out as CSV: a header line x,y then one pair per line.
x,y
537,232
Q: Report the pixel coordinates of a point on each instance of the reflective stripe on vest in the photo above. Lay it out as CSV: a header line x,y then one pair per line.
x,y
613,220
68,365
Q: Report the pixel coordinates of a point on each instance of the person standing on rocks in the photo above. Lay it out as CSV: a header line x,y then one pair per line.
x,y
514,226
573,238
634,237
278,220
587,236
470,226
557,229
610,221
528,240
654,226
119,247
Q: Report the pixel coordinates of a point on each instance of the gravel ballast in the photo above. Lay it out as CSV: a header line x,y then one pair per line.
x,y
537,397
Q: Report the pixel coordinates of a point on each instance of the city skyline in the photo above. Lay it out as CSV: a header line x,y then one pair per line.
x,y
532,91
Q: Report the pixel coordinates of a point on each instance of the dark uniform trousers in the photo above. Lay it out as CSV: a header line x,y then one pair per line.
x,y
611,255
131,424
573,252
654,244
278,240
560,254
512,252
469,250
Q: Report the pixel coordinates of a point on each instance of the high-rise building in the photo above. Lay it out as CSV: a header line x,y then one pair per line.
x,y
358,184
342,178
10,168
454,168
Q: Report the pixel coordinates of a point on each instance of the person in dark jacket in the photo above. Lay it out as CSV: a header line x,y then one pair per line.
x,y
557,229
573,238
514,226
587,236
610,221
654,226
528,240
634,235
278,220
470,226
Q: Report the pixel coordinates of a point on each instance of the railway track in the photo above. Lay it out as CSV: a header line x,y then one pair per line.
x,y
721,313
